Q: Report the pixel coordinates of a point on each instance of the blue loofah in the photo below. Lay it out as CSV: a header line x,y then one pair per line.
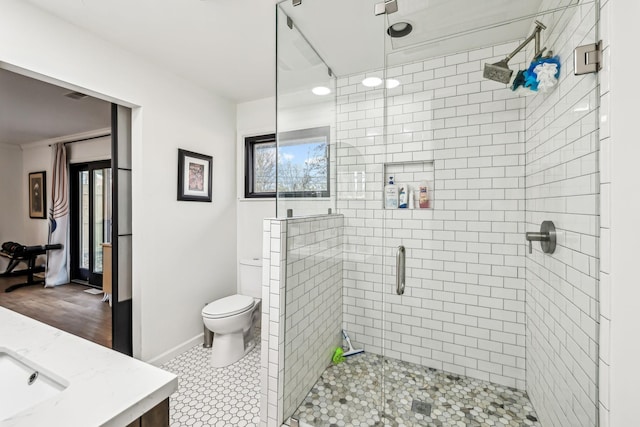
x,y
531,78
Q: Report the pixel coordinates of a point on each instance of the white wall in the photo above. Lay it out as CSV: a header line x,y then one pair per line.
x,y
89,151
252,119
619,159
12,187
183,252
35,158
259,118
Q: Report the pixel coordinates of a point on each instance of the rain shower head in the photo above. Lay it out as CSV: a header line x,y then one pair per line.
x,y
500,71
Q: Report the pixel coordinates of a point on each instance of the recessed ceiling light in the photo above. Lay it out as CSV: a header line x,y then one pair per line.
x,y
391,83
372,81
399,29
321,90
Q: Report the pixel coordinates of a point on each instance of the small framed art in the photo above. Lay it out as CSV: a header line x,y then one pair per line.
x,y
195,176
38,195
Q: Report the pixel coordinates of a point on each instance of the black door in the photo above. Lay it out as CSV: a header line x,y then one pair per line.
x,y
91,212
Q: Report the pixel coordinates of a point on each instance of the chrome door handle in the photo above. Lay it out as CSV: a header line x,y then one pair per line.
x,y
400,267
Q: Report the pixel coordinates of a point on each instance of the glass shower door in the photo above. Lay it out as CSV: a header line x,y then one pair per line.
x,y
329,130
442,295
479,311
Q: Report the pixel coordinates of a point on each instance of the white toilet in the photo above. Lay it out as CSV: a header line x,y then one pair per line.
x,y
231,319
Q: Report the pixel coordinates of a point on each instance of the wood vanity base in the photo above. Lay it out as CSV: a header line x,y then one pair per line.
x,y
157,416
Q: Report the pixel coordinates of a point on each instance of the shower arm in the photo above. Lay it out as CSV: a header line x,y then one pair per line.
x,y
535,35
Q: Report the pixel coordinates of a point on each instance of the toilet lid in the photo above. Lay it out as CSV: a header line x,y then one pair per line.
x,y
228,306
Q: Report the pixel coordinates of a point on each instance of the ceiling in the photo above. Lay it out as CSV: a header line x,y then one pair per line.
x,y
228,46
32,110
351,39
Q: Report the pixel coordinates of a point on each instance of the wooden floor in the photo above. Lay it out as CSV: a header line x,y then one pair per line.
x,y
65,307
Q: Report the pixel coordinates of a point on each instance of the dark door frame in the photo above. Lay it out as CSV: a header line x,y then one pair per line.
x,y
94,279
122,232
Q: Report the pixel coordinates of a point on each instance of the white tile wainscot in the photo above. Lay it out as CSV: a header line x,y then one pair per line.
x,y
303,255
106,388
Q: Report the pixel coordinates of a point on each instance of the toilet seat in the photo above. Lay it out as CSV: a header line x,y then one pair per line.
x,y
228,306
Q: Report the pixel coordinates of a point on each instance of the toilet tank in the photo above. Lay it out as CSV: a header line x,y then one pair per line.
x,y
250,281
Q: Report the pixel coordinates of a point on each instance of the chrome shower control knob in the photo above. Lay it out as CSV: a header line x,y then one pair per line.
x,y
546,236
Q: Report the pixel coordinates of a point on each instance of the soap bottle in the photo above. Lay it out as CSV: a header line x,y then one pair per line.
x,y
391,195
423,201
402,196
412,202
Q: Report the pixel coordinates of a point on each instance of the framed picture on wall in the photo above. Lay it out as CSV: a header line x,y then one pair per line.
x,y
195,176
38,195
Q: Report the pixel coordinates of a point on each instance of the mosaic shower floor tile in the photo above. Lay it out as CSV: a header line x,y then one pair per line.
x,y
351,393
209,396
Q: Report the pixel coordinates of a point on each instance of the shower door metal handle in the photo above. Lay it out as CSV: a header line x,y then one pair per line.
x,y
400,267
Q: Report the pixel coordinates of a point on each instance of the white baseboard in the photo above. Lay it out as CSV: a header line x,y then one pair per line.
x,y
177,350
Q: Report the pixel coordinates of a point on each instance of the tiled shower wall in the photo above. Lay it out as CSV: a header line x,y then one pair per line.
x,y
313,310
464,305
274,270
304,257
562,185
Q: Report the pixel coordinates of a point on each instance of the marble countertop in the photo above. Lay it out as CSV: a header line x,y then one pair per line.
x,y
106,388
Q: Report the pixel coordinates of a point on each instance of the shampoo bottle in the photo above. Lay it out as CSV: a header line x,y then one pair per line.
x,y
402,196
391,195
423,201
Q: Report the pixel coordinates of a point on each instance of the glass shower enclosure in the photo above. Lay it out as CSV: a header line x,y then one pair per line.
x,y
461,319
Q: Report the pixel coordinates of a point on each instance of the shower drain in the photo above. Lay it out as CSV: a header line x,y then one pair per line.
x,y
421,407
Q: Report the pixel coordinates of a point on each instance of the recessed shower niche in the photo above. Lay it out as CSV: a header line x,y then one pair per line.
x,y
412,174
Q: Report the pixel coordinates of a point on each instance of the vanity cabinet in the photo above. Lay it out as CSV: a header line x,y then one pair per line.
x,y
158,416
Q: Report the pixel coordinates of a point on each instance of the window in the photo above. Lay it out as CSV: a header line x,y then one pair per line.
x,y
302,164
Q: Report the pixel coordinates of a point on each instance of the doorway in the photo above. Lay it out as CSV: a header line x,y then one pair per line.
x,y
91,220
86,118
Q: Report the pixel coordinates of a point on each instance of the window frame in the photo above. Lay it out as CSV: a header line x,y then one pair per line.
x,y
249,172
284,138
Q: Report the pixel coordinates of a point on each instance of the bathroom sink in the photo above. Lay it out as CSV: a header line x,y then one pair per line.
x,y
24,384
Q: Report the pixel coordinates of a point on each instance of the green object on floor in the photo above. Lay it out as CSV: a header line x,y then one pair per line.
x,y
337,356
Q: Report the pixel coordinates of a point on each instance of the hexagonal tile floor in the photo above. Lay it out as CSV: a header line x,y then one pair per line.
x,y
348,394
208,396
351,393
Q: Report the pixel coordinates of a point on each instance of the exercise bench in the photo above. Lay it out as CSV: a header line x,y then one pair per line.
x,y
18,253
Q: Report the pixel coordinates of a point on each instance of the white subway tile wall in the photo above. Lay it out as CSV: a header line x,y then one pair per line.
x,y
562,185
463,309
304,257
475,303
272,357
313,310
